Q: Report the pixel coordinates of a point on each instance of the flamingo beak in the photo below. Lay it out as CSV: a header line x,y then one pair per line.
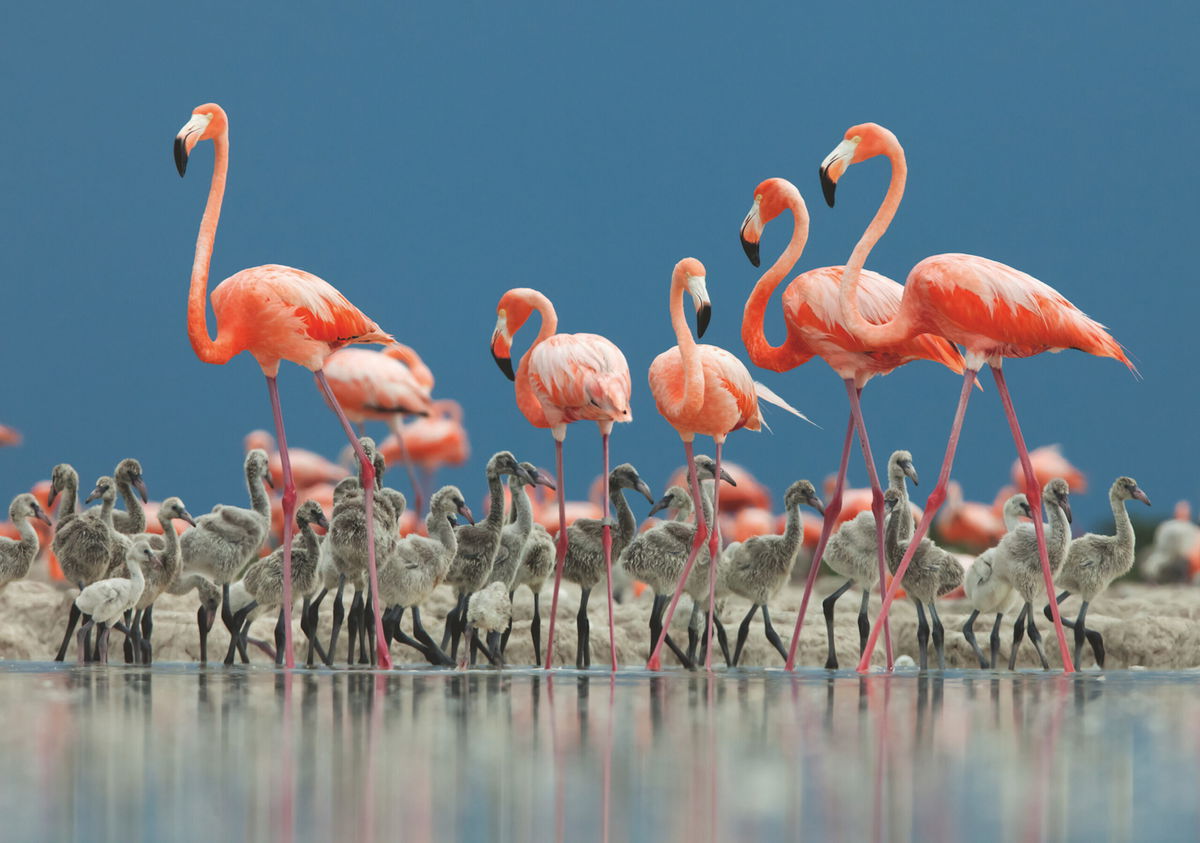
x,y
645,490
96,493
465,512
40,515
834,165
267,479
140,485
817,504
910,472
751,232
699,291
1066,508
50,497
544,479
725,475
502,349
1139,495
186,140
322,521
187,516
662,504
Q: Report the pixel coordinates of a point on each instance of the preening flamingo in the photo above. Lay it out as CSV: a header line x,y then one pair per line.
x,y
699,389
378,386
276,313
816,327
564,378
1048,463
991,309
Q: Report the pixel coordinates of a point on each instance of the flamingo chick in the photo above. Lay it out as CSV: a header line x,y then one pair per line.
x,y
988,593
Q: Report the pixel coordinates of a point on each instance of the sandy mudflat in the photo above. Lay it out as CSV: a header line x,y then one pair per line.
x,y
1145,626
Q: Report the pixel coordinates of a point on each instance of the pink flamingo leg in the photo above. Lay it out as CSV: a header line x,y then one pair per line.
x,y
383,657
418,497
655,660
833,509
289,511
714,554
1034,494
560,555
606,538
936,497
876,501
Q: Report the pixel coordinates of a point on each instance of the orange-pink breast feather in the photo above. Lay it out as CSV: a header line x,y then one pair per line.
x,y
580,376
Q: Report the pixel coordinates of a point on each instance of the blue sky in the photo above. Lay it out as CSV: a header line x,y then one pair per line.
x,y
424,160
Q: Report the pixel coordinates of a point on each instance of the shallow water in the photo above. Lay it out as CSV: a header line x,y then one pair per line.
x,y
178,752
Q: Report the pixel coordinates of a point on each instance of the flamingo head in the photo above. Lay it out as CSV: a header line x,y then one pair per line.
x,y
861,142
690,272
803,493
1128,489
770,199
207,121
512,311
1058,492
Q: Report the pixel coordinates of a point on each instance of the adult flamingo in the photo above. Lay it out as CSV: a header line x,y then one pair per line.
x,y
276,313
992,310
700,389
816,327
378,385
564,378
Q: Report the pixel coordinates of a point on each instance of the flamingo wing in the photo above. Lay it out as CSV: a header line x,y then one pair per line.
x,y
1002,310
580,376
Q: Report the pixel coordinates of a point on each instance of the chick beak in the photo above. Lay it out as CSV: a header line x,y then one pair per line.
x,y
1066,507
660,506
728,478
267,479
322,522
96,493
140,485
911,473
40,515
645,490
817,504
465,512
50,497
187,516
544,479
1139,495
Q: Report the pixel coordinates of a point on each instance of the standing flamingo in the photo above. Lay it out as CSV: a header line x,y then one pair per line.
x,y
992,310
564,378
816,326
700,389
377,386
276,313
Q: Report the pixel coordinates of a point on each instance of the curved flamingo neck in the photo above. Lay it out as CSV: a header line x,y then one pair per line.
x,y
903,325
692,395
527,401
219,350
776,358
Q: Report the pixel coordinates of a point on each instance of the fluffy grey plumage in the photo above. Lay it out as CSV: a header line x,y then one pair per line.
x,y
226,539
418,564
1017,558
852,550
479,543
1094,561
105,601
932,571
758,568
83,545
347,538
161,577
16,555
264,579
987,593
128,475
516,532
584,564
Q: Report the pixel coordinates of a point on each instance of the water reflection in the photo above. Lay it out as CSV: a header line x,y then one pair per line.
x,y
177,752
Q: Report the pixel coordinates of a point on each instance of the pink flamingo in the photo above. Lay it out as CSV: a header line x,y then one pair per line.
x,y
699,389
992,310
276,313
9,436
431,441
564,378
816,326
1048,463
375,385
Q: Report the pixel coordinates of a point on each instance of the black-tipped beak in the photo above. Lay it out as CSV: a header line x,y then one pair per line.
x,y
751,249
140,485
40,515
50,497
530,477
187,516
817,504
546,480
465,512
267,479
727,478
828,186
662,504
1139,495
911,473
96,493
702,317
181,155
505,364
645,490
1066,507
322,521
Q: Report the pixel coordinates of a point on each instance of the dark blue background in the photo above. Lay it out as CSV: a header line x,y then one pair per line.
x,y
425,160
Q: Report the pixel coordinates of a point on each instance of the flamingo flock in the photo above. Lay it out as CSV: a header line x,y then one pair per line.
x,y
330,528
